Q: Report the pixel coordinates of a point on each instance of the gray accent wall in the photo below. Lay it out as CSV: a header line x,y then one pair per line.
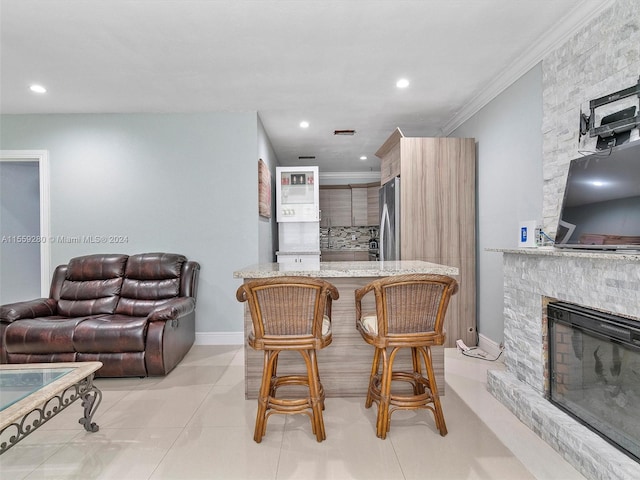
x,y
134,183
268,227
509,155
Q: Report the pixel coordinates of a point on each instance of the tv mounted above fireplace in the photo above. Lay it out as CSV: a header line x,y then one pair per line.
x,y
601,205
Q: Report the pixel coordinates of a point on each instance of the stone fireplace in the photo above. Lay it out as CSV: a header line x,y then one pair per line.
x,y
603,281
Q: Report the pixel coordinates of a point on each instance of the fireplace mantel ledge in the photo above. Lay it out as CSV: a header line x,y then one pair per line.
x,y
557,252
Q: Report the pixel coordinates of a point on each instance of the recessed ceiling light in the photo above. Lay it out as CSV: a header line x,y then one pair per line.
x,y
304,124
402,83
38,89
363,157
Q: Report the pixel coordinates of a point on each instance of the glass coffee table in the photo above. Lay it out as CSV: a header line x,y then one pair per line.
x,y
32,394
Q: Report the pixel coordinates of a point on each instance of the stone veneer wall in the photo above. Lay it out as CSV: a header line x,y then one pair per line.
x,y
602,58
604,281
342,237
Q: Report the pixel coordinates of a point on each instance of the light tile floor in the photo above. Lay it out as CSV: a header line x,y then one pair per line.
x,y
196,424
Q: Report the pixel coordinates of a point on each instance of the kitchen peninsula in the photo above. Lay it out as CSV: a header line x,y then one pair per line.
x,y
344,365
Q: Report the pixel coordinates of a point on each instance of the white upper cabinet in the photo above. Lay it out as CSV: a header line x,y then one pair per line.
x,y
297,194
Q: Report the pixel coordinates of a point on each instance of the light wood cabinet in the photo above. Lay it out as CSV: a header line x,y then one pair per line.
x,y
335,206
337,256
437,215
361,256
359,205
349,205
325,207
373,205
389,154
345,256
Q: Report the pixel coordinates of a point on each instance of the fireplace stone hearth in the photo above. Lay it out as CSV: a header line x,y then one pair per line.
x,y
604,281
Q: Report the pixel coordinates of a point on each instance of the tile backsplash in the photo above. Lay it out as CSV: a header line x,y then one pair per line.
x,y
343,237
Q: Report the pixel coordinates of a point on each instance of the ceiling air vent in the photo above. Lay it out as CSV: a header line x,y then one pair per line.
x,y
311,157
344,132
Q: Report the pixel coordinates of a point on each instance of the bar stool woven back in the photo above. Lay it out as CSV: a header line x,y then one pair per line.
x,y
289,313
410,313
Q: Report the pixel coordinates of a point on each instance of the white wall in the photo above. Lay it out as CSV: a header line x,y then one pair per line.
x,y
509,155
184,183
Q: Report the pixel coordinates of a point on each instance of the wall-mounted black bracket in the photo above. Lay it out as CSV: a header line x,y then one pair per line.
x,y
616,123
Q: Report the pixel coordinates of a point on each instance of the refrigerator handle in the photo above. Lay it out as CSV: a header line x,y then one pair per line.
x,y
384,219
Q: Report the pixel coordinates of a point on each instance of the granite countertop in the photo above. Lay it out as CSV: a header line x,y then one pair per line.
x,y
346,269
629,256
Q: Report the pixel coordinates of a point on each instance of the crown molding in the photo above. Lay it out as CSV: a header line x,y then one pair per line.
x,y
555,36
364,177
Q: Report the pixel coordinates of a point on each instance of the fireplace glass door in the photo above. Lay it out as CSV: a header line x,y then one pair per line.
x,y
594,363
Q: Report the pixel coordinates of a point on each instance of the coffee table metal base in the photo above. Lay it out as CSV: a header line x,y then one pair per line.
x,y
43,404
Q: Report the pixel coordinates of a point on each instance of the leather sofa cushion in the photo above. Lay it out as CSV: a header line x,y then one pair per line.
x,y
91,297
42,357
96,267
130,364
92,285
110,334
154,266
42,335
151,279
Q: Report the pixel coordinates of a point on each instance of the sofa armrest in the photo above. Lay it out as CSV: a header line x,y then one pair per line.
x,y
41,307
172,310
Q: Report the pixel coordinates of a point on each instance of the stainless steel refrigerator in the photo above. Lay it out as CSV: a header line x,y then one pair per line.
x,y
390,220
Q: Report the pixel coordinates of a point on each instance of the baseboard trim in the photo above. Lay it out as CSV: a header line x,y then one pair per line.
x,y
488,345
219,338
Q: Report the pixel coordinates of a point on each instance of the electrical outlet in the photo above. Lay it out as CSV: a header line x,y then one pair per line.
x,y
353,237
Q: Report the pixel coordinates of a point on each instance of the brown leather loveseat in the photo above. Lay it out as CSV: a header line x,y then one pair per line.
x,y
135,314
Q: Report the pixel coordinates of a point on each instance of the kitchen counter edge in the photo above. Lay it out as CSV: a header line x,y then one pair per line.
x,y
559,252
346,269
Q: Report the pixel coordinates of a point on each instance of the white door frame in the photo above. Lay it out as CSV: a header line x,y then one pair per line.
x,y
42,157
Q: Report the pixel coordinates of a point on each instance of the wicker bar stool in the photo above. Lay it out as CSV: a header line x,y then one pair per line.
x,y
289,313
410,312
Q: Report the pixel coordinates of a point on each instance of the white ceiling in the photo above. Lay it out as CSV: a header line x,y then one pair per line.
x,y
332,63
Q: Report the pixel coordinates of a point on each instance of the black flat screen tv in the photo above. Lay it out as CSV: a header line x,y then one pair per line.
x,y
601,205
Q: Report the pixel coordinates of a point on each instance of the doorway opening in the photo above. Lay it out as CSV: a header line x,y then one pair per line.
x,y
25,224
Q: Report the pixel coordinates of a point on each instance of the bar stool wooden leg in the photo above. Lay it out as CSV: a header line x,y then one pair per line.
x,y
274,377
418,387
316,397
372,377
433,386
266,388
382,424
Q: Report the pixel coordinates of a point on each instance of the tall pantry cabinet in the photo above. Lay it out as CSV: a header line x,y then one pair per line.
x,y
437,214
